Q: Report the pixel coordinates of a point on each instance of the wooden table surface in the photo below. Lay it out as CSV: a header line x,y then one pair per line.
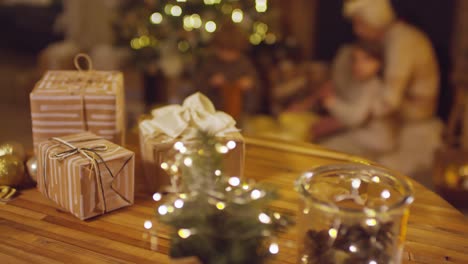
x,y
33,231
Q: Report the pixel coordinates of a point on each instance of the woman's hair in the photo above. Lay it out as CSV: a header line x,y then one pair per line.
x,y
230,36
372,49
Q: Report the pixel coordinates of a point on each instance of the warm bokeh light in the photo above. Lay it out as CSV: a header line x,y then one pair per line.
x,y
157,197
237,16
148,224
209,2
167,9
385,194
261,28
274,248
196,21
255,194
220,205
135,43
162,210
179,203
210,26
231,144
333,233
234,181
371,222
353,248
356,183
188,161
261,5
188,23
255,39
184,233
264,218
156,18
178,145
176,11
221,148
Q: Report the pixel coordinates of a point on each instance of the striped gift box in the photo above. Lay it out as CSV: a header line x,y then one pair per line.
x,y
86,186
69,102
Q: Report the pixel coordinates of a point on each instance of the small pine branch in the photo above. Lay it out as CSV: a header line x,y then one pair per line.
x,y
220,222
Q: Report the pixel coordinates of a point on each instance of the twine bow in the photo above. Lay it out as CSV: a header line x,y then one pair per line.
x,y
196,113
74,150
90,153
86,76
83,80
86,57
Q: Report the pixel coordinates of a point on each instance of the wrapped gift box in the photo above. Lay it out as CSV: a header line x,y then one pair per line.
x,y
85,174
68,102
168,125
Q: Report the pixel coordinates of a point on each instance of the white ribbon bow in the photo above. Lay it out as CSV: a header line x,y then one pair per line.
x,y
196,113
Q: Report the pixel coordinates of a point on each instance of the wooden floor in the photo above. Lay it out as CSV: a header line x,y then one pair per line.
x,y
33,231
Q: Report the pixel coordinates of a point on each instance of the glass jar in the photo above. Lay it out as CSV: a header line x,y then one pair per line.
x,y
352,213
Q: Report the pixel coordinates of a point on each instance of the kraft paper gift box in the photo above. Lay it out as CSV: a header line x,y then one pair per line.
x,y
69,102
85,174
173,123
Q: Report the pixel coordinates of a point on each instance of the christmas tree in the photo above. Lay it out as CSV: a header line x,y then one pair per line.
x,y
154,28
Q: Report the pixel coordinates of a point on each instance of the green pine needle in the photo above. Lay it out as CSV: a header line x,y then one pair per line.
x,y
223,220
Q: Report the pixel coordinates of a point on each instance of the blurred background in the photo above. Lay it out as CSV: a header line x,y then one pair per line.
x,y
166,48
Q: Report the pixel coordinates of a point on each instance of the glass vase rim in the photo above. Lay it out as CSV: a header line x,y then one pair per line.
x,y
406,199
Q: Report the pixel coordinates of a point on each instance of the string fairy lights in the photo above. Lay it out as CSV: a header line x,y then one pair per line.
x,y
261,5
156,18
201,18
237,15
274,248
210,26
206,191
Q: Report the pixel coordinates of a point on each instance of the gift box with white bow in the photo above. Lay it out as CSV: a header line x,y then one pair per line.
x,y
170,124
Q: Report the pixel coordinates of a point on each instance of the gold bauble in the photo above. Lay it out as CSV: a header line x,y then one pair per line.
x,y
11,170
6,193
31,166
451,176
12,148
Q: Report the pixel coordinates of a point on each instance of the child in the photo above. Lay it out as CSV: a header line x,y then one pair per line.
x,y
365,135
227,76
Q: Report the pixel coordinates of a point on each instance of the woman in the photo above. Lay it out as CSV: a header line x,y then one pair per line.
x,y
411,73
410,80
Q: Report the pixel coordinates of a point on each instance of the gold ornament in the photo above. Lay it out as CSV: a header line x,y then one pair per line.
x,y
6,193
451,176
12,148
31,166
11,170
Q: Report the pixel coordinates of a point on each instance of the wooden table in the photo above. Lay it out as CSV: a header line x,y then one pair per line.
x,y
32,231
